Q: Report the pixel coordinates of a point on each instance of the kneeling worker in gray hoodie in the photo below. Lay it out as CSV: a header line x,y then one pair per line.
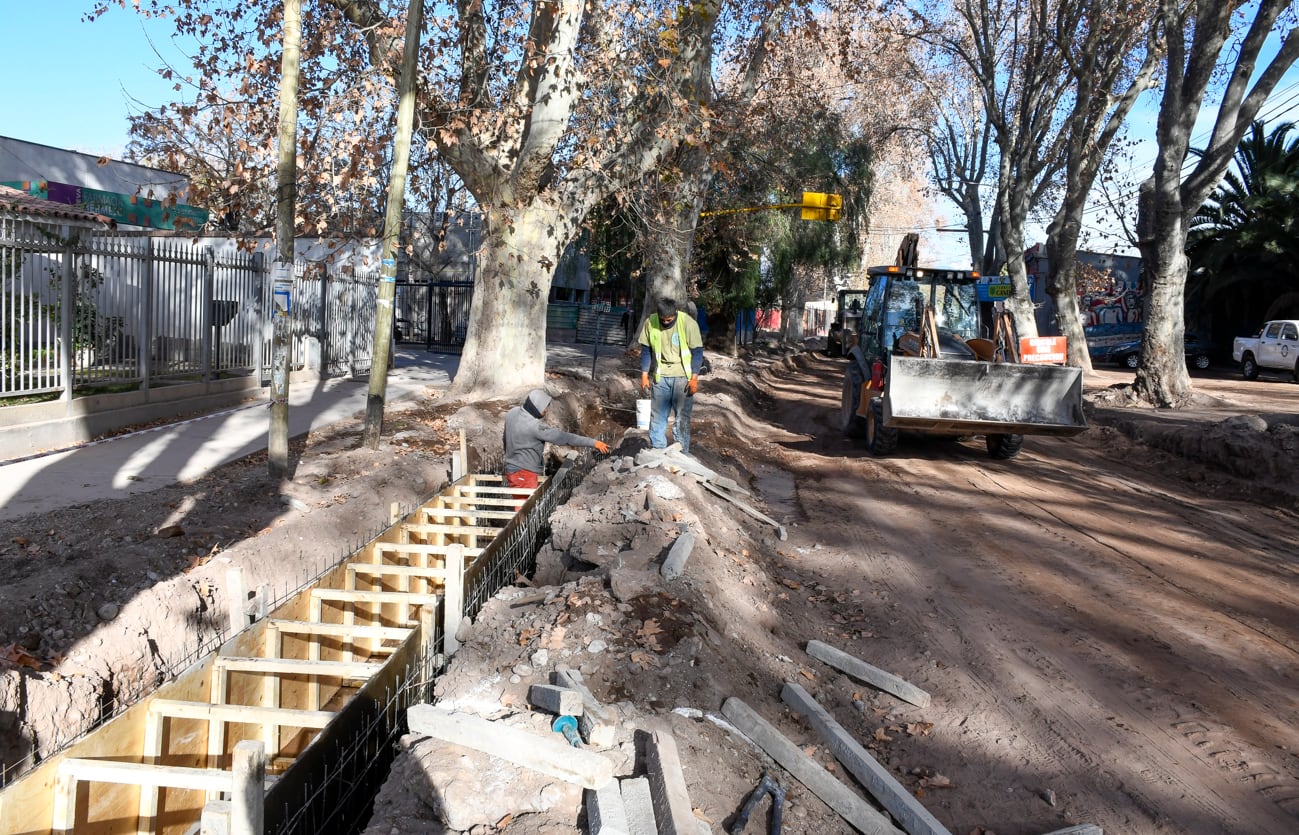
x,y
526,434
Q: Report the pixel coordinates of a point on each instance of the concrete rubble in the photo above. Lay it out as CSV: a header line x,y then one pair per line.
x,y
628,612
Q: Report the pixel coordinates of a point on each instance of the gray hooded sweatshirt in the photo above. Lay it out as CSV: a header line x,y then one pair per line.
x,y
526,435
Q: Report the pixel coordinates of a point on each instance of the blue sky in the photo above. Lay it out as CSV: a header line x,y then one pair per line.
x,y
77,81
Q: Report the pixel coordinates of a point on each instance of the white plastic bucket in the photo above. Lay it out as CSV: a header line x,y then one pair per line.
x,y
642,414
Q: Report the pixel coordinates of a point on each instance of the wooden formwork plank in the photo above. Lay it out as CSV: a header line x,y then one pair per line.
x,y
361,596
72,771
508,499
313,652
430,549
452,529
271,686
418,572
338,630
148,811
467,490
295,667
141,774
459,513
246,714
216,731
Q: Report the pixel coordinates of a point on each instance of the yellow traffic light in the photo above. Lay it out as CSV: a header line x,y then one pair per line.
x,y
820,206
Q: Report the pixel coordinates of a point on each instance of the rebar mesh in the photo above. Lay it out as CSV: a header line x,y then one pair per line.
x,y
340,796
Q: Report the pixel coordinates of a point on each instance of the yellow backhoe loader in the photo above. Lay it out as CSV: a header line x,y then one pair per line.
x,y
928,357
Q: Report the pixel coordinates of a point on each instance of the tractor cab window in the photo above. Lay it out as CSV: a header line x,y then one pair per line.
x,y
956,307
868,325
902,310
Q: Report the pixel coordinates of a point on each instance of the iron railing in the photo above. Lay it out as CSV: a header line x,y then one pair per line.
x,y
82,308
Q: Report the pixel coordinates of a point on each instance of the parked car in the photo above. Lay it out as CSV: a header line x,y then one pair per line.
x,y
1276,346
1128,354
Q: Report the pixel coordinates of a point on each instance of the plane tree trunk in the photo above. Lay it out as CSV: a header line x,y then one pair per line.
x,y
517,262
1168,200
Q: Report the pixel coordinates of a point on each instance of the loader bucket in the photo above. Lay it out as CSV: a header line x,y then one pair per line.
x,y
980,398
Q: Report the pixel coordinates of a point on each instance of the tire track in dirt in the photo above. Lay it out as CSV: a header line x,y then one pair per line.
x,y
1072,667
1031,684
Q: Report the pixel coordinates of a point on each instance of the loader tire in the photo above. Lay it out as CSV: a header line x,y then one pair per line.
x,y
853,425
1004,447
879,439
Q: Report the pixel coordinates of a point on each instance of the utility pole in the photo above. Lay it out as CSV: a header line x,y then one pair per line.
x,y
277,446
383,317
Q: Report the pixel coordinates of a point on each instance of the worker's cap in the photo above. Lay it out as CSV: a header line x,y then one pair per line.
x,y
667,308
537,402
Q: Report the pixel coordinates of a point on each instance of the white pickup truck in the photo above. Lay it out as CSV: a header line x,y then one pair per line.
x,y
1276,346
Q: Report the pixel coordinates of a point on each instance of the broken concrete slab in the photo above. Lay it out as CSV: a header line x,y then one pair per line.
x,y
873,676
605,813
1080,829
855,810
554,699
667,782
552,756
891,794
638,802
464,789
597,722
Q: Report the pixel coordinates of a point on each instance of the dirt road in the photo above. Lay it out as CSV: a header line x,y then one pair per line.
x,y
1105,630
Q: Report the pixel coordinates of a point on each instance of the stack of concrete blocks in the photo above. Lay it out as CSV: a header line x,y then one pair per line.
x,y
656,804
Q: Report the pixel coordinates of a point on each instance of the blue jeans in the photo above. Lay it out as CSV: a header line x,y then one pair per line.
x,y
668,395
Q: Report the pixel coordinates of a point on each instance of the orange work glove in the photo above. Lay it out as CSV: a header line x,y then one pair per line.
x,y
644,380
693,385
601,447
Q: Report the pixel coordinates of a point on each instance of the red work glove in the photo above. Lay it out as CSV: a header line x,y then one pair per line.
x,y
601,447
644,381
693,385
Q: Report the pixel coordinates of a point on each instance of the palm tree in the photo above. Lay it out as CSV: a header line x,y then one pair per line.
x,y
1244,242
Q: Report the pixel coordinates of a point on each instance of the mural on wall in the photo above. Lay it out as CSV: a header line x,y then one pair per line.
x,y
1108,295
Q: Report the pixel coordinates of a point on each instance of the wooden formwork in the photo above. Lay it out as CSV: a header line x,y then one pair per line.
x,y
328,651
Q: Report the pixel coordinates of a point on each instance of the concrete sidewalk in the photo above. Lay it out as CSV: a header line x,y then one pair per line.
x,y
180,452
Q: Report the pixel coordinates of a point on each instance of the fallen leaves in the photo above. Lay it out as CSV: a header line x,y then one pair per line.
x,y
19,657
644,660
555,640
649,634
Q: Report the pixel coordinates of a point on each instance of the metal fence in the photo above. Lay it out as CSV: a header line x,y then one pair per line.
x,y
83,309
435,313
